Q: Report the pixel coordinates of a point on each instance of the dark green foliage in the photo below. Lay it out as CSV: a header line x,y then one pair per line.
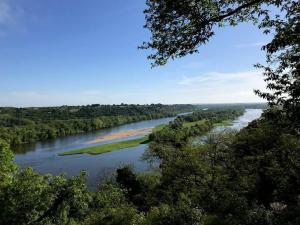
x,y
247,178
110,207
27,197
7,167
250,177
269,158
140,189
282,72
182,213
24,125
178,28
128,180
120,215
215,116
176,135
253,177
35,199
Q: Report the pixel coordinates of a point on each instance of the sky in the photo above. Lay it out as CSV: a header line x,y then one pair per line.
x,y
78,52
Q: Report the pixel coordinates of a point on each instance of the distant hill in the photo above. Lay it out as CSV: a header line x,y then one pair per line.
x,y
233,105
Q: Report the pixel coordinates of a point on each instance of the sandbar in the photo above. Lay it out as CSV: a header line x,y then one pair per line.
x,y
122,134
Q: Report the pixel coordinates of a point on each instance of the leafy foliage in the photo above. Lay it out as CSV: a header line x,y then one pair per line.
x,y
23,125
251,177
178,28
7,167
282,71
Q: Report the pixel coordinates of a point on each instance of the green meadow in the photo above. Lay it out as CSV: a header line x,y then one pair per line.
x,y
95,150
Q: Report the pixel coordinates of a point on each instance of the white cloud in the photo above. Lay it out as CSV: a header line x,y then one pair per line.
x,y
218,87
214,87
220,77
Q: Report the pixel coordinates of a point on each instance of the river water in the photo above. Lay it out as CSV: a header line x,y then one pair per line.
x,y
43,156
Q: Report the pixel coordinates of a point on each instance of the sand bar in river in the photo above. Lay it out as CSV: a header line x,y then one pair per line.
x,y
122,134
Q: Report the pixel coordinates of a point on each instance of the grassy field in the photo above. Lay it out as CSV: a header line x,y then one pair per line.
x,y
108,147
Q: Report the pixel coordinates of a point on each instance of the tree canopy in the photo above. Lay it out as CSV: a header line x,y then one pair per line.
x,y
24,125
250,177
178,28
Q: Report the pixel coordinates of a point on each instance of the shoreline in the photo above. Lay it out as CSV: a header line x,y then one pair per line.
x,y
114,146
96,150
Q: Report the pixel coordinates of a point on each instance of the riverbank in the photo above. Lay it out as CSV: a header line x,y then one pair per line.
x,y
44,157
115,146
108,147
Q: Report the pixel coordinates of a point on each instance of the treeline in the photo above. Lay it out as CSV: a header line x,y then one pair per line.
x,y
213,115
24,125
250,177
233,106
177,133
27,197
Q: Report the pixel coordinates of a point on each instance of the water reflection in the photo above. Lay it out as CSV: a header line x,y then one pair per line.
x,y
43,156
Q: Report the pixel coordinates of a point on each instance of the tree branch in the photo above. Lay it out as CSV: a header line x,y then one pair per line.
x,y
219,18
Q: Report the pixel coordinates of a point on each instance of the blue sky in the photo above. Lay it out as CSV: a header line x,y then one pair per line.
x,y
75,52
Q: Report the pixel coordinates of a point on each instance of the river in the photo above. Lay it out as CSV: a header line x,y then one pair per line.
x,y
43,156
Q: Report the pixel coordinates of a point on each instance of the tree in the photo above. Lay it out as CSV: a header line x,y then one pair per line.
x,y
7,167
282,71
257,170
179,27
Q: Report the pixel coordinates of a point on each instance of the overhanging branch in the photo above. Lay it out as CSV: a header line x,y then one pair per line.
x,y
219,18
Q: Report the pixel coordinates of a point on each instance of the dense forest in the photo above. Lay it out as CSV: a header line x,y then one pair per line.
x,y
24,125
27,197
250,177
182,129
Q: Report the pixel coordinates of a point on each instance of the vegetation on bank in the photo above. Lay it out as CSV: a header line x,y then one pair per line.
x,y
95,150
196,184
224,123
251,177
194,128
24,125
191,124
158,127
